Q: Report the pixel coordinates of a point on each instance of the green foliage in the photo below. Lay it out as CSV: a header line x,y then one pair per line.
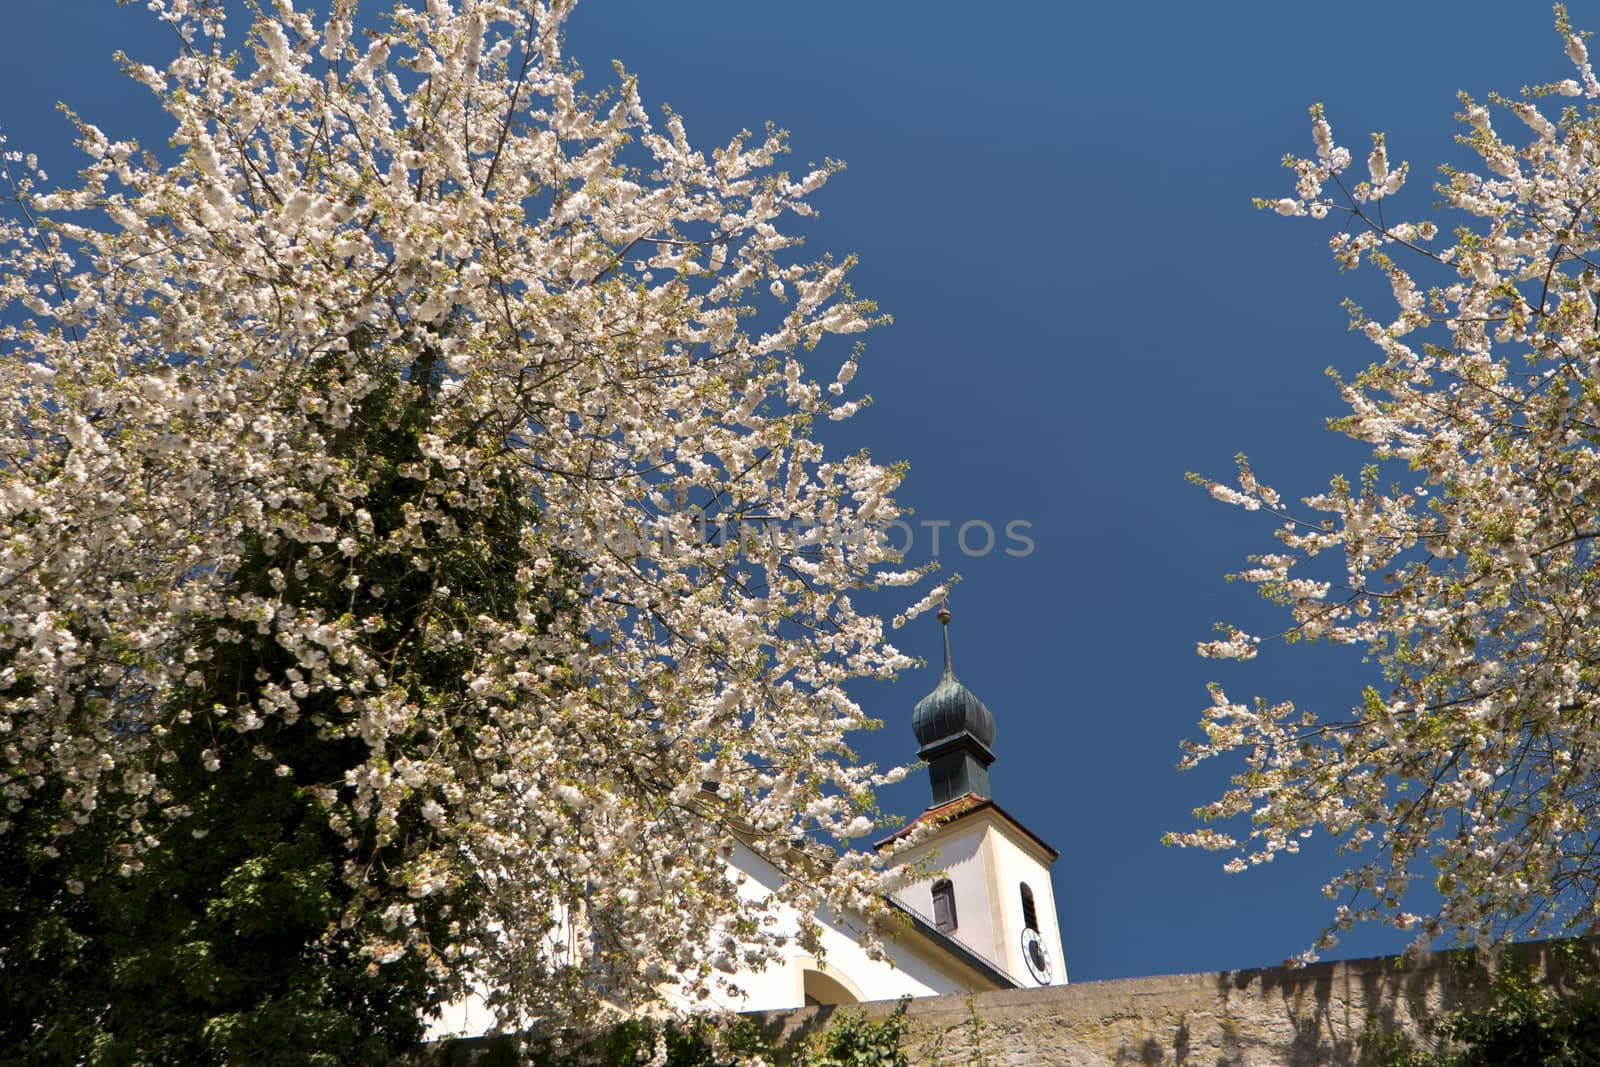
x,y
692,1043
850,1040
217,951
1527,1022
1380,1048
856,1041
237,939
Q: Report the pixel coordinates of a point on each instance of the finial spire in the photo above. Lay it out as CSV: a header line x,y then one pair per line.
x,y
944,626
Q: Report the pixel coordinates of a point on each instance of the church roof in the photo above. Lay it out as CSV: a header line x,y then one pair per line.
x,y
967,955
960,807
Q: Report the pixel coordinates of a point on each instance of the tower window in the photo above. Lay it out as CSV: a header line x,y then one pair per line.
x,y
1030,915
944,905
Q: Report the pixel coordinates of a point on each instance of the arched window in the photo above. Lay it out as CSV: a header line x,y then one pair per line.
x,y
944,905
1030,915
820,988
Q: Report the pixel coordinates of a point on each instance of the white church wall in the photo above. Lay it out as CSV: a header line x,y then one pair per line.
x,y
844,957
960,853
781,984
467,1017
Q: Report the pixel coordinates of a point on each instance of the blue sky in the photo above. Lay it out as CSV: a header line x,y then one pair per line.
x,y
1053,201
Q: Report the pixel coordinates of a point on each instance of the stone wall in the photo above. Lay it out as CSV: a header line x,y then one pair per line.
x,y
1271,1017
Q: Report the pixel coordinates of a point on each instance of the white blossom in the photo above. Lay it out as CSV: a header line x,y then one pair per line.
x,y
1461,561
608,325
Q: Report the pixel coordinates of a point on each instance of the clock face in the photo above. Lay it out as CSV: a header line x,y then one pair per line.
x,y
1038,960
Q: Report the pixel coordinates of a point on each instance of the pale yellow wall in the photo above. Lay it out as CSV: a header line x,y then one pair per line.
x,y
1018,860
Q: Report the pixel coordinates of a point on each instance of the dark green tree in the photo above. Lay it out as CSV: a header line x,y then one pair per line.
x,y
237,940
1526,1022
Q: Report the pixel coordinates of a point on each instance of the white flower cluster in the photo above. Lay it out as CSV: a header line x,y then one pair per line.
x,y
1466,557
605,324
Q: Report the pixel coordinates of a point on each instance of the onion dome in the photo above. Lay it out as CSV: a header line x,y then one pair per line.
x,y
955,732
951,709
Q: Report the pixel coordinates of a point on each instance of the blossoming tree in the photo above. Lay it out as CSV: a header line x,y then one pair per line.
x,y
431,438
1463,559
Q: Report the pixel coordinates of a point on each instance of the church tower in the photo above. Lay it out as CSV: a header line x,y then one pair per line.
x,y
994,897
